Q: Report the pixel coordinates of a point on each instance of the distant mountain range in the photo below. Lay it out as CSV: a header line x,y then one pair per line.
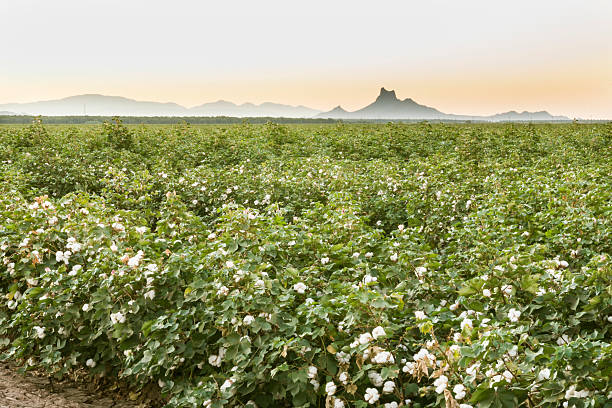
x,y
102,105
386,106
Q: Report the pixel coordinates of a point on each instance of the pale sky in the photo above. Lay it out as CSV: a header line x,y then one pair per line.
x,y
465,57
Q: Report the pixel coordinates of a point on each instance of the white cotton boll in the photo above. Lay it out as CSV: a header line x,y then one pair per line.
x,y
383,357
507,376
420,315
315,384
223,291
343,378
117,318
239,275
369,254
367,279
61,256
338,403
365,338
544,374
229,264
343,358
378,332
393,257
454,306
514,315
459,391
260,284
486,293
40,332
248,319
150,295
409,368
86,307
466,324
330,388
391,404
371,395
388,387
324,260
375,378
420,270
134,261
90,363
117,227
214,360
75,270
441,383
300,288
73,245
312,372
473,369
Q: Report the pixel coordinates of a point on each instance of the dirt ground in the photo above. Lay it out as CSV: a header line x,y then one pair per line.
x,y
31,391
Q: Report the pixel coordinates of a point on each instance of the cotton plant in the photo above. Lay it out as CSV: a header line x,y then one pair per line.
x,y
351,265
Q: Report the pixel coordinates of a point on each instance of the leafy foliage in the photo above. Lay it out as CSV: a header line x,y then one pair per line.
x,y
344,265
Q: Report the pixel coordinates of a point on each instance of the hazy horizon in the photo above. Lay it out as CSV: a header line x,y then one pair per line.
x,y
470,58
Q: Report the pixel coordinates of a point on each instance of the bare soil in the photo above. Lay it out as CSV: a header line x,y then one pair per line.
x,y
32,391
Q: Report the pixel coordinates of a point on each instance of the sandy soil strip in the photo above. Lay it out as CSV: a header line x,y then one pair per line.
x,y
30,391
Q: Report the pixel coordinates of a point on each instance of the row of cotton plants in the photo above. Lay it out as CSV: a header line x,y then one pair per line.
x,y
318,276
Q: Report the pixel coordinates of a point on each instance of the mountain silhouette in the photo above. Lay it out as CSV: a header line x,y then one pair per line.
x,y
97,105
102,105
337,113
387,106
514,115
225,108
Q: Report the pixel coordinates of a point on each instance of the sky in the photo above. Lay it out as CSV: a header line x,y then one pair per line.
x,y
466,57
